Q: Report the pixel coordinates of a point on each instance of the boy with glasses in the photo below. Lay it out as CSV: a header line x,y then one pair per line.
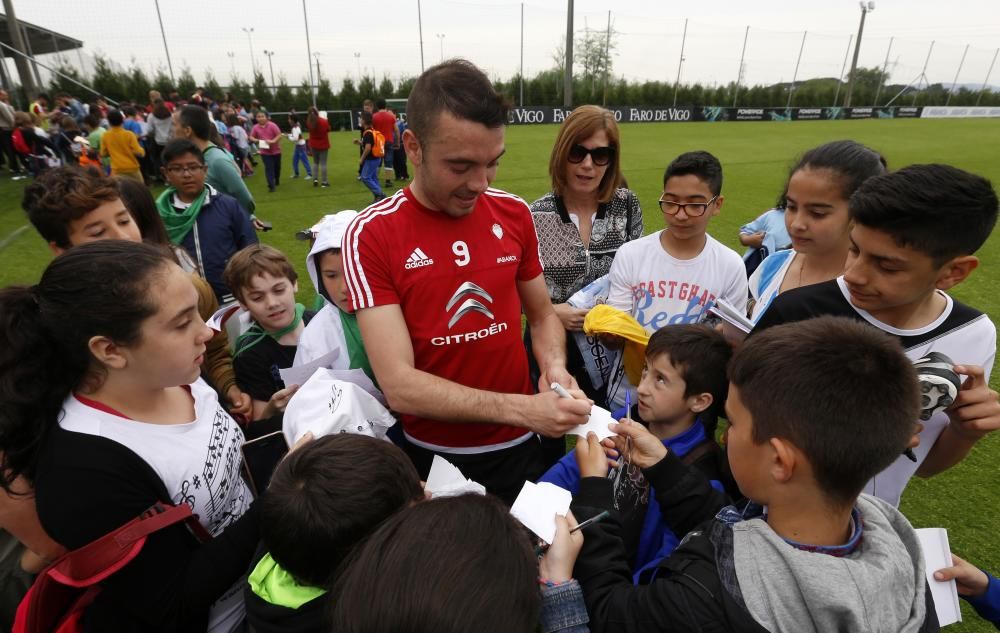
x,y
675,275
210,225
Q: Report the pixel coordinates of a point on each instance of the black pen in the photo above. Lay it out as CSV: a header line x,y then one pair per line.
x,y
593,519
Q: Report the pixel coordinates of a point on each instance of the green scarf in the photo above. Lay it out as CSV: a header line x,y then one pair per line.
x,y
355,346
178,222
276,586
256,333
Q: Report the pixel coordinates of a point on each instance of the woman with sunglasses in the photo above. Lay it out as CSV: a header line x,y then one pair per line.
x,y
583,221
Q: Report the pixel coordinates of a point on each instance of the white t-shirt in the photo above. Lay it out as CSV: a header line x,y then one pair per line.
x,y
765,282
658,289
198,463
967,340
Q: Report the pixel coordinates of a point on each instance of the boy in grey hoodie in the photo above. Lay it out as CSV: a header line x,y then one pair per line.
x,y
816,408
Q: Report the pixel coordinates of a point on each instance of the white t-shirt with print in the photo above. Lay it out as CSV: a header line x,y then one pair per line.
x,y
198,462
658,289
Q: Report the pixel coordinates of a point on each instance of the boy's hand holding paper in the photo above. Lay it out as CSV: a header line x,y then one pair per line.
x,y
597,421
537,505
937,554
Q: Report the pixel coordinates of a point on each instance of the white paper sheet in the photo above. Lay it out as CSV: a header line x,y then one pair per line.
x,y
937,555
221,315
445,480
537,506
597,422
299,375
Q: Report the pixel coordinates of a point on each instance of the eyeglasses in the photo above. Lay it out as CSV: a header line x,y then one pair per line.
x,y
693,209
177,170
600,155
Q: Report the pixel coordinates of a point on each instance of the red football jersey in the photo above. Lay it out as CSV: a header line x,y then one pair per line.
x,y
385,122
455,280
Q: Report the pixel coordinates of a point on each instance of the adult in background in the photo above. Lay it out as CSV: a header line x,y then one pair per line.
x,y
319,143
268,137
581,223
438,274
161,126
6,130
193,123
385,122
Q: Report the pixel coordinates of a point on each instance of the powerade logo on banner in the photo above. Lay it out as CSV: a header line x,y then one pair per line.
x,y
808,114
907,112
860,113
749,114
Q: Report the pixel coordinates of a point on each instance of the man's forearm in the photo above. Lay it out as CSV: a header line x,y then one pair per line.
x,y
548,339
419,393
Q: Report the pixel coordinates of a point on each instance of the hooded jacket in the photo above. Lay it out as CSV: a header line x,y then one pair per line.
x,y
276,603
739,575
327,331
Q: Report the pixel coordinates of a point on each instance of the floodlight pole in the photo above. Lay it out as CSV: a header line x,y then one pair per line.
x,y
988,73
521,100
680,63
865,8
253,62
739,72
957,72
270,65
840,79
607,60
568,71
166,48
312,83
885,66
795,75
420,32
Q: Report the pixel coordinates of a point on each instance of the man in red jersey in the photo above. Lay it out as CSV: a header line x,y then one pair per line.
x,y
385,122
438,274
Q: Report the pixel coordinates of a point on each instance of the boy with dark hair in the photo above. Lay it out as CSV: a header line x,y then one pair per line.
x,y
369,162
70,206
683,388
323,500
914,237
265,282
675,275
822,556
210,225
122,148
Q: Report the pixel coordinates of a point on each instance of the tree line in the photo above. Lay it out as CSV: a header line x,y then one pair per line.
x,y
593,84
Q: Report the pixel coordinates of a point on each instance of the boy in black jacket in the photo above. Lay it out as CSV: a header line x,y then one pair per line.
x,y
816,408
323,499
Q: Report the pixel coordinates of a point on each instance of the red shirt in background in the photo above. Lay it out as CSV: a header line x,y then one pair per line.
x,y
319,135
385,122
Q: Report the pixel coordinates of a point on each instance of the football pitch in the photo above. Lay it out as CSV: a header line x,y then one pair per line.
x,y
755,157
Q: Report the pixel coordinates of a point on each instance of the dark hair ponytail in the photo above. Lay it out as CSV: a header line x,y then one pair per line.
x,y
98,289
851,162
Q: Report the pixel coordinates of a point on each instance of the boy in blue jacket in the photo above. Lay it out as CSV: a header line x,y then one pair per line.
x,y
210,225
682,390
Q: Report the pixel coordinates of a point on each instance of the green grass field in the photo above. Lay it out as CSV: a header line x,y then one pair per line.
x,y
756,157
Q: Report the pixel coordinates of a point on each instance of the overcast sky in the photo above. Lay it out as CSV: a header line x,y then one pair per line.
x,y
207,35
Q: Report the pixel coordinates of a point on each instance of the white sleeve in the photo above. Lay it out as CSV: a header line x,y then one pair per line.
x,y
620,291
736,287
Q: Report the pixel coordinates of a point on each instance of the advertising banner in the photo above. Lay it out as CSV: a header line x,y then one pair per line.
x,y
956,112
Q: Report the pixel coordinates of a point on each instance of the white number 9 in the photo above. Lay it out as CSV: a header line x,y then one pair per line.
x,y
461,249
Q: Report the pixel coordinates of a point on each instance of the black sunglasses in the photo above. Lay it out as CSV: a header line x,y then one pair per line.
x,y
600,155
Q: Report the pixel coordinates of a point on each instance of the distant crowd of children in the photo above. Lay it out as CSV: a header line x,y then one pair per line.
x,y
749,485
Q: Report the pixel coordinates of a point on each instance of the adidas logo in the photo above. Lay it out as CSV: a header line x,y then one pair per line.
x,y
418,259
